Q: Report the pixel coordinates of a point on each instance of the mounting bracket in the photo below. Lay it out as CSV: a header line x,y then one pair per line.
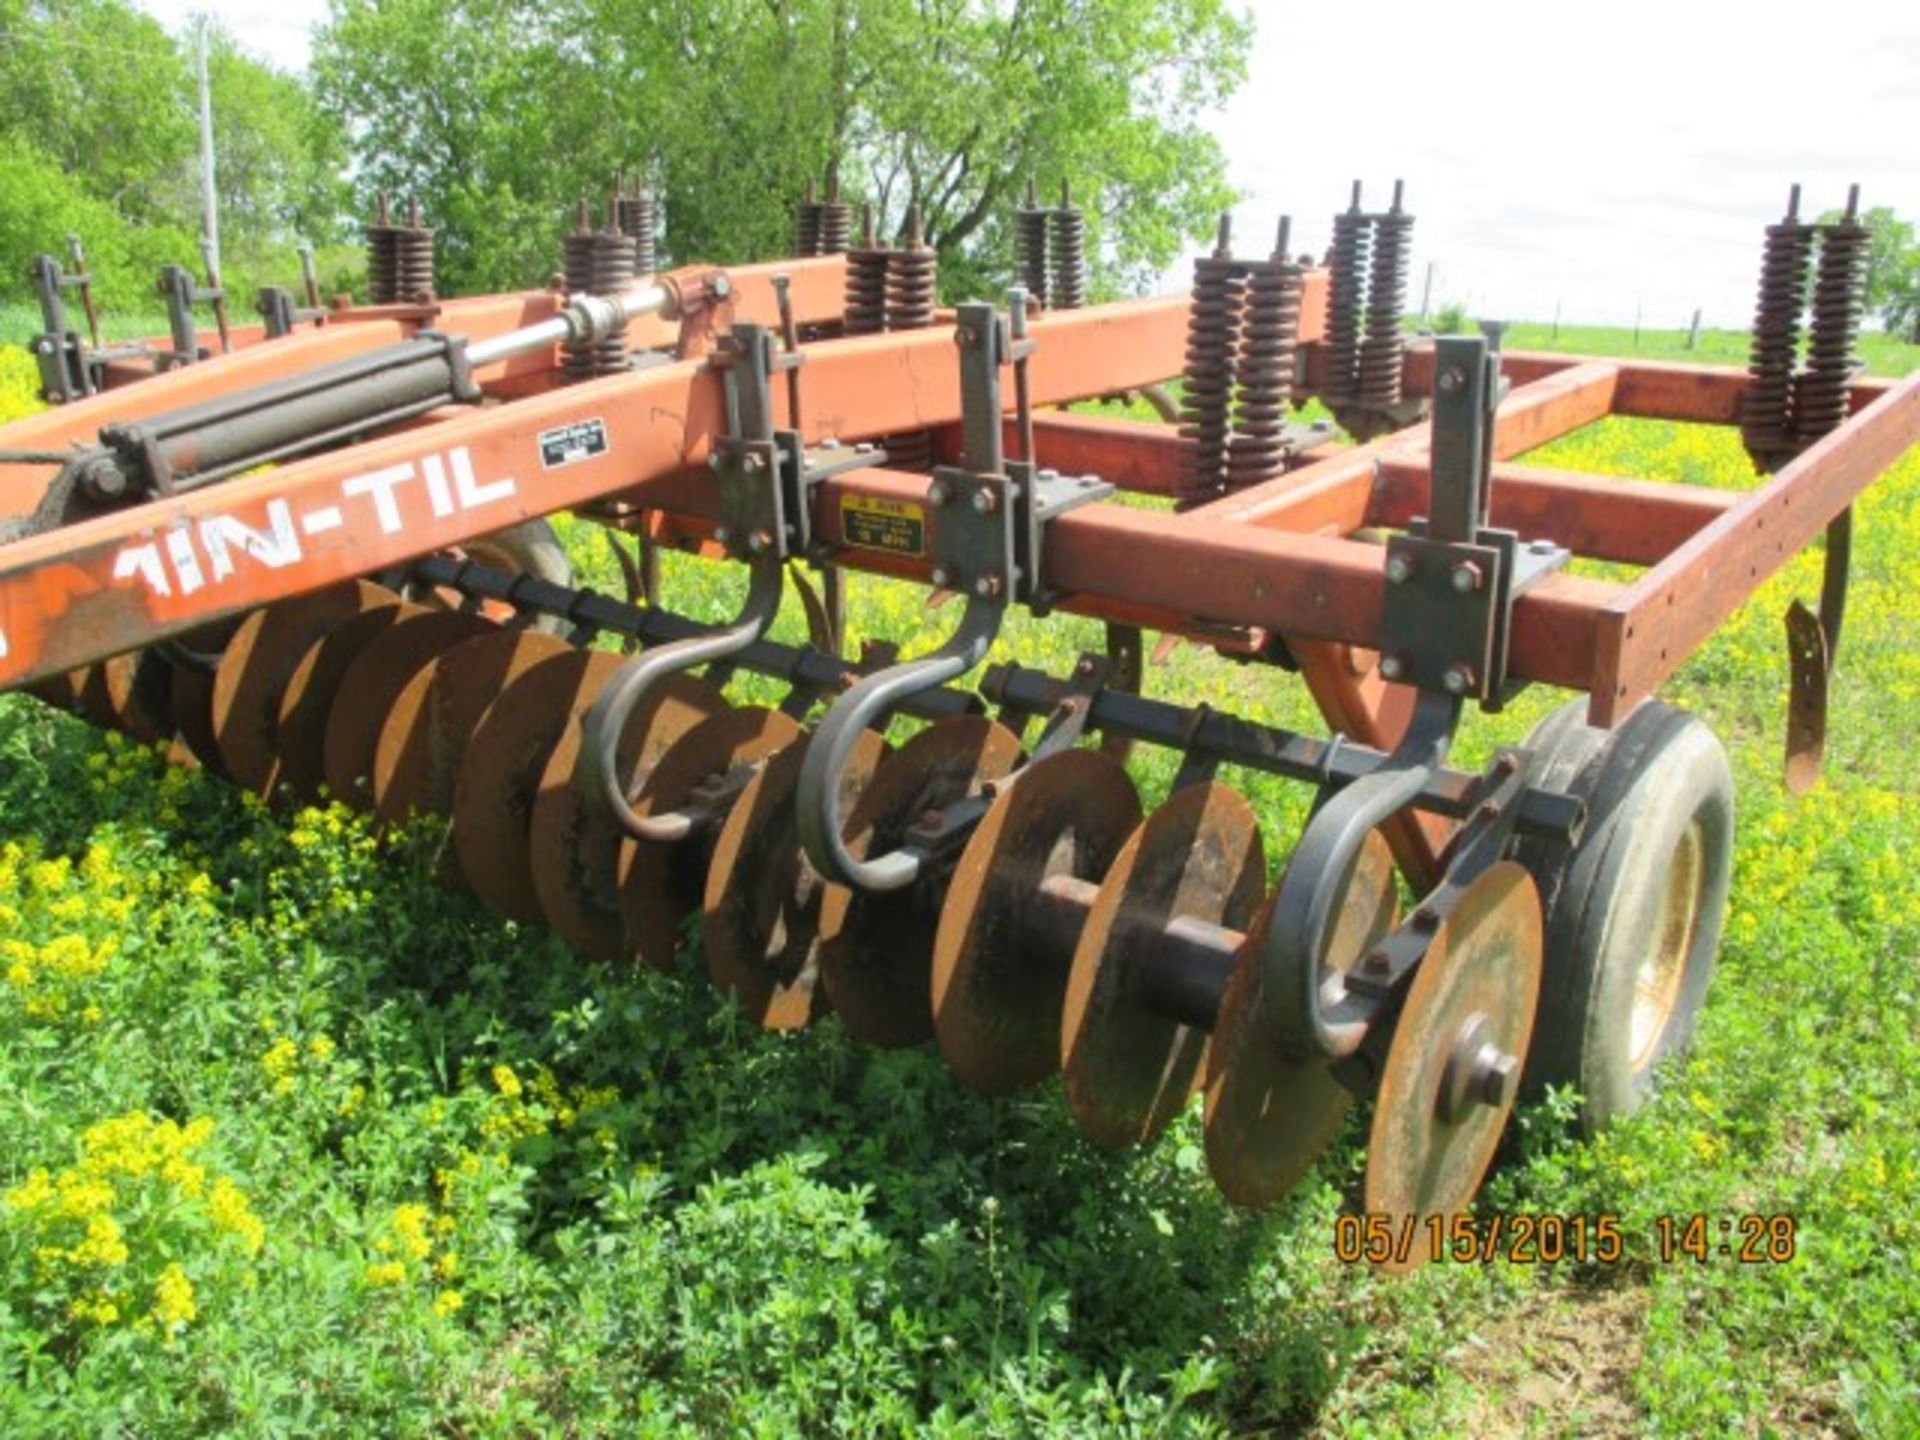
x,y
1452,578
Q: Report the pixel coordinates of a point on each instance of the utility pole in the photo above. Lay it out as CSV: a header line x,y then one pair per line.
x,y
209,204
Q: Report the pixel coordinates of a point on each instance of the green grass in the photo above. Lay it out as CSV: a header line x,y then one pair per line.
x,y
499,1190
1884,354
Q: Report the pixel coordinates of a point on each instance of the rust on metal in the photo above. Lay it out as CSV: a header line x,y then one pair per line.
x,y
876,949
761,919
662,882
300,734
1129,1068
1269,1116
999,981
1453,1067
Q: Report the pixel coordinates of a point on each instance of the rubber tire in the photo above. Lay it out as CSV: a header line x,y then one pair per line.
x,y
1645,783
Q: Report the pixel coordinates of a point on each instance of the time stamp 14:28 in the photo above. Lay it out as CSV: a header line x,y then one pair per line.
x,y
1525,1239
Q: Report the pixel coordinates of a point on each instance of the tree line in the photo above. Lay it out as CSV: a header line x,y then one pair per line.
x,y
499,114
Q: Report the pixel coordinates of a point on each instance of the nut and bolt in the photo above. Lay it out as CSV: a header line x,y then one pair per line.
x,y
939,493
987,586
723,535
1392,667
1451,379
1496,1076
1458,679
985,502
758,541
1466,577
1399,569
939,576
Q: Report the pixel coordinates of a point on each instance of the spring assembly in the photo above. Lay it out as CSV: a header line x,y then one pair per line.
x,y
1352,238
867,263
836,220
639,220
1839,304
413,260
381,255
912,271
806,223
1766,420
1213,333
1030,248
598,263
1385,343
1067,229
1269,331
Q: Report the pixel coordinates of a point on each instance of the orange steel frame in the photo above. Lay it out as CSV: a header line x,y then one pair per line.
x,y
1281,557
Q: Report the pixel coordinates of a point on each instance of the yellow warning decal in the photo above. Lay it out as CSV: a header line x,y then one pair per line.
x,y
897,526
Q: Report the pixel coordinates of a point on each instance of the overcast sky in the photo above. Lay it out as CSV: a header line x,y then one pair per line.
x,y
1600,158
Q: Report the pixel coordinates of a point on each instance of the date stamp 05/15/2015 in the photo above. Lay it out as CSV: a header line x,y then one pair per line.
x,y
1526,1239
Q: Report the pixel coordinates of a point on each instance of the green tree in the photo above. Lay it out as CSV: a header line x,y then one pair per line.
x,y
497,114
1893,269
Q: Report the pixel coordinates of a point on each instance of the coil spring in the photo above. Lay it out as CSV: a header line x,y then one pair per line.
x,y
1385,343
912,274
1067,230
1352,237
806,224
1269,330
1839,304
1213,331
639,219
413,260
597,263
381,255
1030,248
836,221
867,264
1765,418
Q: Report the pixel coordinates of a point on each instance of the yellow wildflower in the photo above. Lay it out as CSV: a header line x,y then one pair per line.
x,y
173,1304
506,1081
446,1302
230,1212
387,1272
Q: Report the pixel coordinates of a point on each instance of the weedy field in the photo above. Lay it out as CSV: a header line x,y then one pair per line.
x,y
296,1141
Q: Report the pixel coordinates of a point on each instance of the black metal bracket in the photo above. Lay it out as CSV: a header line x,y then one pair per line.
x,y
182,292
989,513
767,476
1452,579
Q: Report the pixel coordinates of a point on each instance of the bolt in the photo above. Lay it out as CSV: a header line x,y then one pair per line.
x,y
1451,379
938,493
987,586
1399,568
1046,476
865,447
1426,919
939,576
1466,577
832,442
1392,667
1376,962
715,462
1458,679
720,287
723,535
985,502
758,541
1542,547
751,461
963,335
1496,1076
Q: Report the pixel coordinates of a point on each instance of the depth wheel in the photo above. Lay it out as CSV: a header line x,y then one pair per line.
x,y
1634,911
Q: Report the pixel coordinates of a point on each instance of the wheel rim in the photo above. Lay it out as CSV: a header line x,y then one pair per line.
x,y
1656,986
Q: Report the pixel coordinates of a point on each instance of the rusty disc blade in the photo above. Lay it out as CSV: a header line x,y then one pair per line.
x,y
1000,978
760,930
61,691
1129,1068
426,733
876,950
253,673
662,882
307,701
1435,1127
494,793
575,846
191,697
1270,1116
139,695
370,687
